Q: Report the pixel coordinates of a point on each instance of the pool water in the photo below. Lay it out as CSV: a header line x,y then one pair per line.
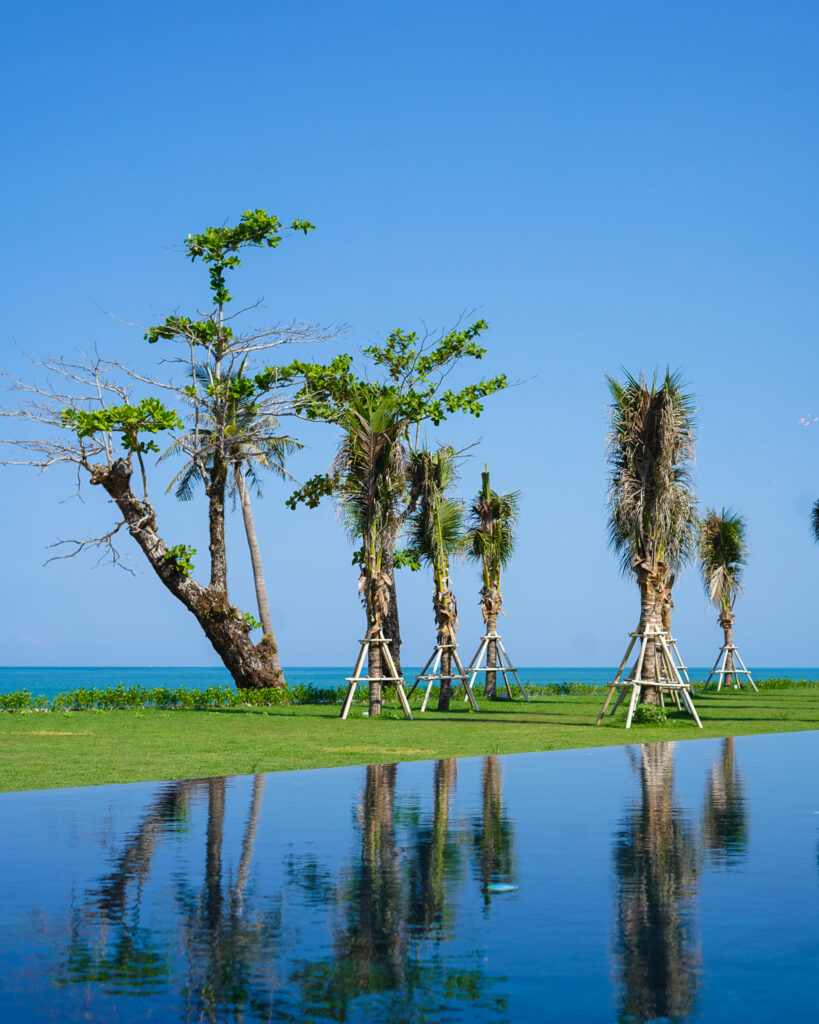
x,y
664,882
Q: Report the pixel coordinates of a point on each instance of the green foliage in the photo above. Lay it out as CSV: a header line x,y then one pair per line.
x,y
219,247
251,621
490,538
652,508
413,373
722,550
406,558
182,557
149,416
322,485
649,714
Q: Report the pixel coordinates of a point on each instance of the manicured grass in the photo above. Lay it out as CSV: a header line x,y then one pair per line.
x,y
85,748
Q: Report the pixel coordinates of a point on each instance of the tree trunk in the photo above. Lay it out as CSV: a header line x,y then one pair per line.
x,y
446,617
391,625
653,593
726,620
224,626
376,602
491,686
258,572
217,484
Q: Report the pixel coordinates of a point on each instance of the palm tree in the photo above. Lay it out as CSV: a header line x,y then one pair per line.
x,y
722,550
436,532
251,441
490,540
370,467
652,508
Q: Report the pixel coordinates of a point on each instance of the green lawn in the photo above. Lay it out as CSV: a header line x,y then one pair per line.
x,y
85,748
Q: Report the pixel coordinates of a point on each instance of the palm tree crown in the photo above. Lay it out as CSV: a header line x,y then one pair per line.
x,y
722,551
490,538
650,447
437,524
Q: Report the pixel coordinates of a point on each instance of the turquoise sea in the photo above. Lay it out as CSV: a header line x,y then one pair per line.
x,y
48,682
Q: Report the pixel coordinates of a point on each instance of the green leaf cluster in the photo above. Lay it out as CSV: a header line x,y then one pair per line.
x,y
219,247
182,557
149,416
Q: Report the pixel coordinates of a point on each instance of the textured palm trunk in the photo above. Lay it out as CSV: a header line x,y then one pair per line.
x,y
446,618
391,624
652,597
258,572
726,620
224,625
376,602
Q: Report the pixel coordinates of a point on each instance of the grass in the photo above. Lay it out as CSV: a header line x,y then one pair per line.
x,y
84,748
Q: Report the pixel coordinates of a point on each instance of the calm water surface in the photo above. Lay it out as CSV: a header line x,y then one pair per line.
x,y
664,882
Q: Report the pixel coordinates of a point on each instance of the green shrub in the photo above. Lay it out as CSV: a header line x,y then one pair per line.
x,y
649,714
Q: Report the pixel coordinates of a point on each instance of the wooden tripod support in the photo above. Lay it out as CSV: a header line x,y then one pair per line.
x,y
356,678
722,672
475,667
435,673
669,672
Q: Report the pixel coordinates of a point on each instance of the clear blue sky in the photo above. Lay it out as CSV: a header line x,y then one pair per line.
x,y
629,184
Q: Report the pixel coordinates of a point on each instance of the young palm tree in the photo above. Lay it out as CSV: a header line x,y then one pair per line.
x,y
250,440
652,508
436,533
490,540
722,550
370,466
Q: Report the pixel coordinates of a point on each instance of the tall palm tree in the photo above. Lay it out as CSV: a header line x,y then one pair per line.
x,y
490,540
652,508
250,440
722,550
436,533
371,466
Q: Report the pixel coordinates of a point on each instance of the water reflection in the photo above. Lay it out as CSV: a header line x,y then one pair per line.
x,y
657,866
493,835
222,902
725,811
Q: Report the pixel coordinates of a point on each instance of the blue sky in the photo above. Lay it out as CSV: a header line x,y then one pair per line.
x,y
609,185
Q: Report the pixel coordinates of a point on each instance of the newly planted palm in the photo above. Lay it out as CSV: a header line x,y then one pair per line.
x,y
652,508
722,550
370,470
436,533
490,540
248,436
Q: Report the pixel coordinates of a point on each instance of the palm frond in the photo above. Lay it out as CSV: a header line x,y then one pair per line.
x,y
722,552
490,538
650,449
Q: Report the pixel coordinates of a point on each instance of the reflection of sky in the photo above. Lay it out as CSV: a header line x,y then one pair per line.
x,y
551,942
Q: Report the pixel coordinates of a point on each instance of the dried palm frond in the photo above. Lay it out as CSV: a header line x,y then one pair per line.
x,y
722,552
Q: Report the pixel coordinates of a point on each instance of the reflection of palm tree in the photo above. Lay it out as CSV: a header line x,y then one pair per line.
x,y
224,946
657,869
492,834
108,941
725,814
435,857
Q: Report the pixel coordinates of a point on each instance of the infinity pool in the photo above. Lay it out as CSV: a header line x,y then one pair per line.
x,y
668,882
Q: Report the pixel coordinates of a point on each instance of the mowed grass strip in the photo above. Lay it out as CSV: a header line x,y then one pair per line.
x,y
87,748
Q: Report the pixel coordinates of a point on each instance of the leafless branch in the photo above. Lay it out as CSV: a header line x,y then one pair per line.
x,y
105,543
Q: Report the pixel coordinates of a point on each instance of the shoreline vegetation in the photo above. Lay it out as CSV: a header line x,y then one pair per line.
x,y
181,698
166,734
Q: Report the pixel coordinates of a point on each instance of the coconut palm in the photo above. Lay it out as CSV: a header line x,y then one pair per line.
x,y
652,508
251,441
436,533
490,540
370,467
722,550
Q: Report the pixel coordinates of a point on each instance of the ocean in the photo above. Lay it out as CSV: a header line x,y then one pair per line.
x,y
48,682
